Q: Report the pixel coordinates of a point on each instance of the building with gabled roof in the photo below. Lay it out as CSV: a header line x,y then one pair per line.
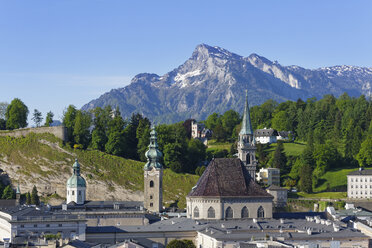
x,y
227,188
227,191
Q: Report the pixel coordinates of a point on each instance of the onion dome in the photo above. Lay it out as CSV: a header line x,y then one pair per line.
x,y
76,180
153,155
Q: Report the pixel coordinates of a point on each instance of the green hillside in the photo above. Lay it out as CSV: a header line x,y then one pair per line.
x,y
43,155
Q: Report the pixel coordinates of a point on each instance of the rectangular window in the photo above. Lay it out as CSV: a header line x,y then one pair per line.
x,y
351,180
73,192
35,225
47,225
59,225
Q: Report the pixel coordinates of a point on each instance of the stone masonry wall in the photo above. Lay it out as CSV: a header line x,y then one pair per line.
x,y
58,131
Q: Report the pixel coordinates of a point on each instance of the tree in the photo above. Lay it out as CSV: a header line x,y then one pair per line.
x,y
219,133
115,144
49,119
35,197
306,179
2,124
8,193
28,198
3,108
279,159
16,114
143,137
281,121
196,151
130,137
181,244
173,157
229,120
36,117
101,121
212,121
81,132
68,121
364,156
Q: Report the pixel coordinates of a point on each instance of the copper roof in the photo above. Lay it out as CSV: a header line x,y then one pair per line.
x,y
227,177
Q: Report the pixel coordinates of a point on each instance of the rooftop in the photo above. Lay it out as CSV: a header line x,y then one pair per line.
x,y
243,229
361,172
227,177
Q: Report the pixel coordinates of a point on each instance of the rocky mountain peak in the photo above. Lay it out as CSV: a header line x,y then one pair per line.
x,y
145,77
204,51
213,79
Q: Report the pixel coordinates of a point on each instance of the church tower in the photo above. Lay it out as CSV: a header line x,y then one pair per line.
x,y
76,186
246,143
153,177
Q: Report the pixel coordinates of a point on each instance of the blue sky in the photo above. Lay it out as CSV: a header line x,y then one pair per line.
x,y
56,53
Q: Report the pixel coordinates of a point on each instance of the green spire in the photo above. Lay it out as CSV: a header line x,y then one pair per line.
x,y
153,154
246,125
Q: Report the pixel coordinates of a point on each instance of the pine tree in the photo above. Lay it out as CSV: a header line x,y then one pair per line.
x,y
279,159
28,198
306,179
34,196
49,119
8,193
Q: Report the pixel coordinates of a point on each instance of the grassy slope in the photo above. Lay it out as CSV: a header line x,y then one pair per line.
x,y
38,158
290,149
214,145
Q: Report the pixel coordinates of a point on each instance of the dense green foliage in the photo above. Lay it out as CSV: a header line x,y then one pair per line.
x,y
35,196
16,114
181,244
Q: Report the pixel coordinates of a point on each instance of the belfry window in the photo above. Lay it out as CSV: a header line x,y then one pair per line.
x,y
151,184
211,213
248,158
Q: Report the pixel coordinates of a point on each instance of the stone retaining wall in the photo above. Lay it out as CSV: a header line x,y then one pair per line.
x,y
58,131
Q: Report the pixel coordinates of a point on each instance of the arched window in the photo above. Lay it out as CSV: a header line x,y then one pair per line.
x,y
211,213
151,184
196,212
245,213
229,213
261,212
248,158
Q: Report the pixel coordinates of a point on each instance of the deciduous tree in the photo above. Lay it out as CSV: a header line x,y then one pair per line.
x,y
16,114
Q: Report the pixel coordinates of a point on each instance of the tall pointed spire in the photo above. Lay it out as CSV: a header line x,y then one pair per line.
x,y
246,124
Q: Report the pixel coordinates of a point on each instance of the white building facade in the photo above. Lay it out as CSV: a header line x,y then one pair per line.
x,y
359,184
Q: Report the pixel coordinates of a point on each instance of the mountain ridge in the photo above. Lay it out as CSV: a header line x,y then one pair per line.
x,y
213,79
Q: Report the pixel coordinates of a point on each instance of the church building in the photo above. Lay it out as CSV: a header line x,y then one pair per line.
x,y
227,188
